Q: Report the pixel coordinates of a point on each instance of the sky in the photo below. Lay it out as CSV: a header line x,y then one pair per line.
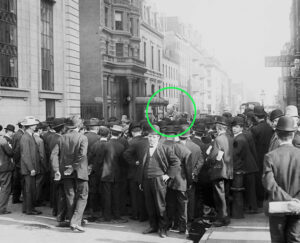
x,y
239,33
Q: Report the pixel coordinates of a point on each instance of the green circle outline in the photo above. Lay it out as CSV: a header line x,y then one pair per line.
x,y
177,135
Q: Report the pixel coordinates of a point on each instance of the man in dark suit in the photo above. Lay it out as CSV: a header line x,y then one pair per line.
x,y
17,177
30,165
196,163
93,126
71,159
281,179
274,117
244,161
262,134
157,167
134,154
221,157
6,169
109,156
177,187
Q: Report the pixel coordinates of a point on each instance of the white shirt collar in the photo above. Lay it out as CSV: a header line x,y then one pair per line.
x,y
235,135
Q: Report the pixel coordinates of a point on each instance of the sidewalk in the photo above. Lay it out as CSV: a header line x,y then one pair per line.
x,y
253,228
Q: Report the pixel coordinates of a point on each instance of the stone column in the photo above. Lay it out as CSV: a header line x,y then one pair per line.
x,y
131,94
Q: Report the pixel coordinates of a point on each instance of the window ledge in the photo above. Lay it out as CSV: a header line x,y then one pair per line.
x,y
51,95
14,93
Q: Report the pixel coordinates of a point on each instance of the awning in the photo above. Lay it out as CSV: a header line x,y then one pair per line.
x,y
154,101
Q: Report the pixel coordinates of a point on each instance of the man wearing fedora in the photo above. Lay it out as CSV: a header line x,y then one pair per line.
x,y
30,165
244,161
292,111
177,187
281,179
93,126
44,166
195,164
17,177
157,167
221,158
6,169
134,155
71,159
274,117
262,134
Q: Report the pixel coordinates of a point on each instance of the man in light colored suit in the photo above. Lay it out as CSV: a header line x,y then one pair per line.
x,y
281,179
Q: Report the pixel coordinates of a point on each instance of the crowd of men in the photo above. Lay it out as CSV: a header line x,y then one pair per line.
x,y
108,170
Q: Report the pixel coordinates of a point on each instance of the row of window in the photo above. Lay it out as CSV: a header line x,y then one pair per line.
x,y
170,72
152,61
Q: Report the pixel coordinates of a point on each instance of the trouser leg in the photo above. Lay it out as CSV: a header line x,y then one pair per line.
x,y
29,193
220,198
82,192
277,229
159,191
171,208
250,192
150,203
69,189
61,202
133,190
191,203
17,184
181,199
5,189
116,199
39,181
107,196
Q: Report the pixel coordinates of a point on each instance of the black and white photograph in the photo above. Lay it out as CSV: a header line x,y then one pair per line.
x,y
148,121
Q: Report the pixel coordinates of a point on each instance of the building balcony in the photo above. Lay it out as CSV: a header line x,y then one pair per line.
x,y
126,3
124,63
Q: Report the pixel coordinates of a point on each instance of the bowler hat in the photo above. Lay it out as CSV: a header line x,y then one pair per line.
x,y
57,122
227,114
286,124
182,129
134,126
116,128
42,125
10,127
151,131
222,120
112,119
291,111
93,122
237,121
170,129
259,111
199,128
276,114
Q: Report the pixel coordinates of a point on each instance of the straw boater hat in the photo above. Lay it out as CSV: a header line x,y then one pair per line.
x,y
30,121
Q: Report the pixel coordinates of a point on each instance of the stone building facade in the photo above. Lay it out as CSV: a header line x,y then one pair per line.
x,y
39,59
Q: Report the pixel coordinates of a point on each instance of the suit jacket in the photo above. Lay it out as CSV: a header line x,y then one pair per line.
x,y
197,159
30,156
16,147
262,134
135,152
41,148
6,154
251,143
53,140
183,178
165,156
92,139
224,143
107,159
281,173
243,159
274,143
72,150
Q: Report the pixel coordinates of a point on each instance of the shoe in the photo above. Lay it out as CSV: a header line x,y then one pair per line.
x,y
77,229
34,212
162,234
149,231
120,221
63,224
17,201
84,222
5,212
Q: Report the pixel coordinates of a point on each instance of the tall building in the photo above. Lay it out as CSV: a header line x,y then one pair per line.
x,y
112,74
151,53
39,59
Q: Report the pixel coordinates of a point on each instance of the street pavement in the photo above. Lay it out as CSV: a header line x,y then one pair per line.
x,y
20,228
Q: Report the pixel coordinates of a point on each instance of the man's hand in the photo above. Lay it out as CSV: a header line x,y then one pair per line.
x,y
90,168
137,162
57,176
69,170
140,187
165,178
32,173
